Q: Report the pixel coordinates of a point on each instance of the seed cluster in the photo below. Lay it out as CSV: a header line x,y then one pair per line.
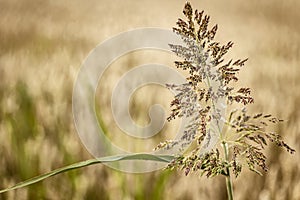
x,y
210,164
196,100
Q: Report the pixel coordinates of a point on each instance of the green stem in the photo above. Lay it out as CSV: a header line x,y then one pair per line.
x,y
228,177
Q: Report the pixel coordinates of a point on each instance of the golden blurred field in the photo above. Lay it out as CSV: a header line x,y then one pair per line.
x,y
42,45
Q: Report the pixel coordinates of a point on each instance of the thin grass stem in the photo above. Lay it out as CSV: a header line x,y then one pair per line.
x,y
228,176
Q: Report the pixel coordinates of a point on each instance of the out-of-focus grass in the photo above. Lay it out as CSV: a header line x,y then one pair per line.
x,y
42,44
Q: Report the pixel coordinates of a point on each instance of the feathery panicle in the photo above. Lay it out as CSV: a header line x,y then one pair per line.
x,y
207,86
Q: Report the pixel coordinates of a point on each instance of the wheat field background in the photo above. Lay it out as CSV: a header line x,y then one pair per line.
x,y
42,45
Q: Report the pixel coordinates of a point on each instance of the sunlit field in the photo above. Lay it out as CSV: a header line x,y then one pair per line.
x,y
42,46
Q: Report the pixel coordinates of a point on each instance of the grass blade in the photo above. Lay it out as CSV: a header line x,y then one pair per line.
x,y
140,156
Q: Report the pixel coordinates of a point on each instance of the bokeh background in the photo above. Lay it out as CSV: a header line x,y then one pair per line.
x,y
42,45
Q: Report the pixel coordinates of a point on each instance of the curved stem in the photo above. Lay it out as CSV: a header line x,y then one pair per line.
x,y
228,177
